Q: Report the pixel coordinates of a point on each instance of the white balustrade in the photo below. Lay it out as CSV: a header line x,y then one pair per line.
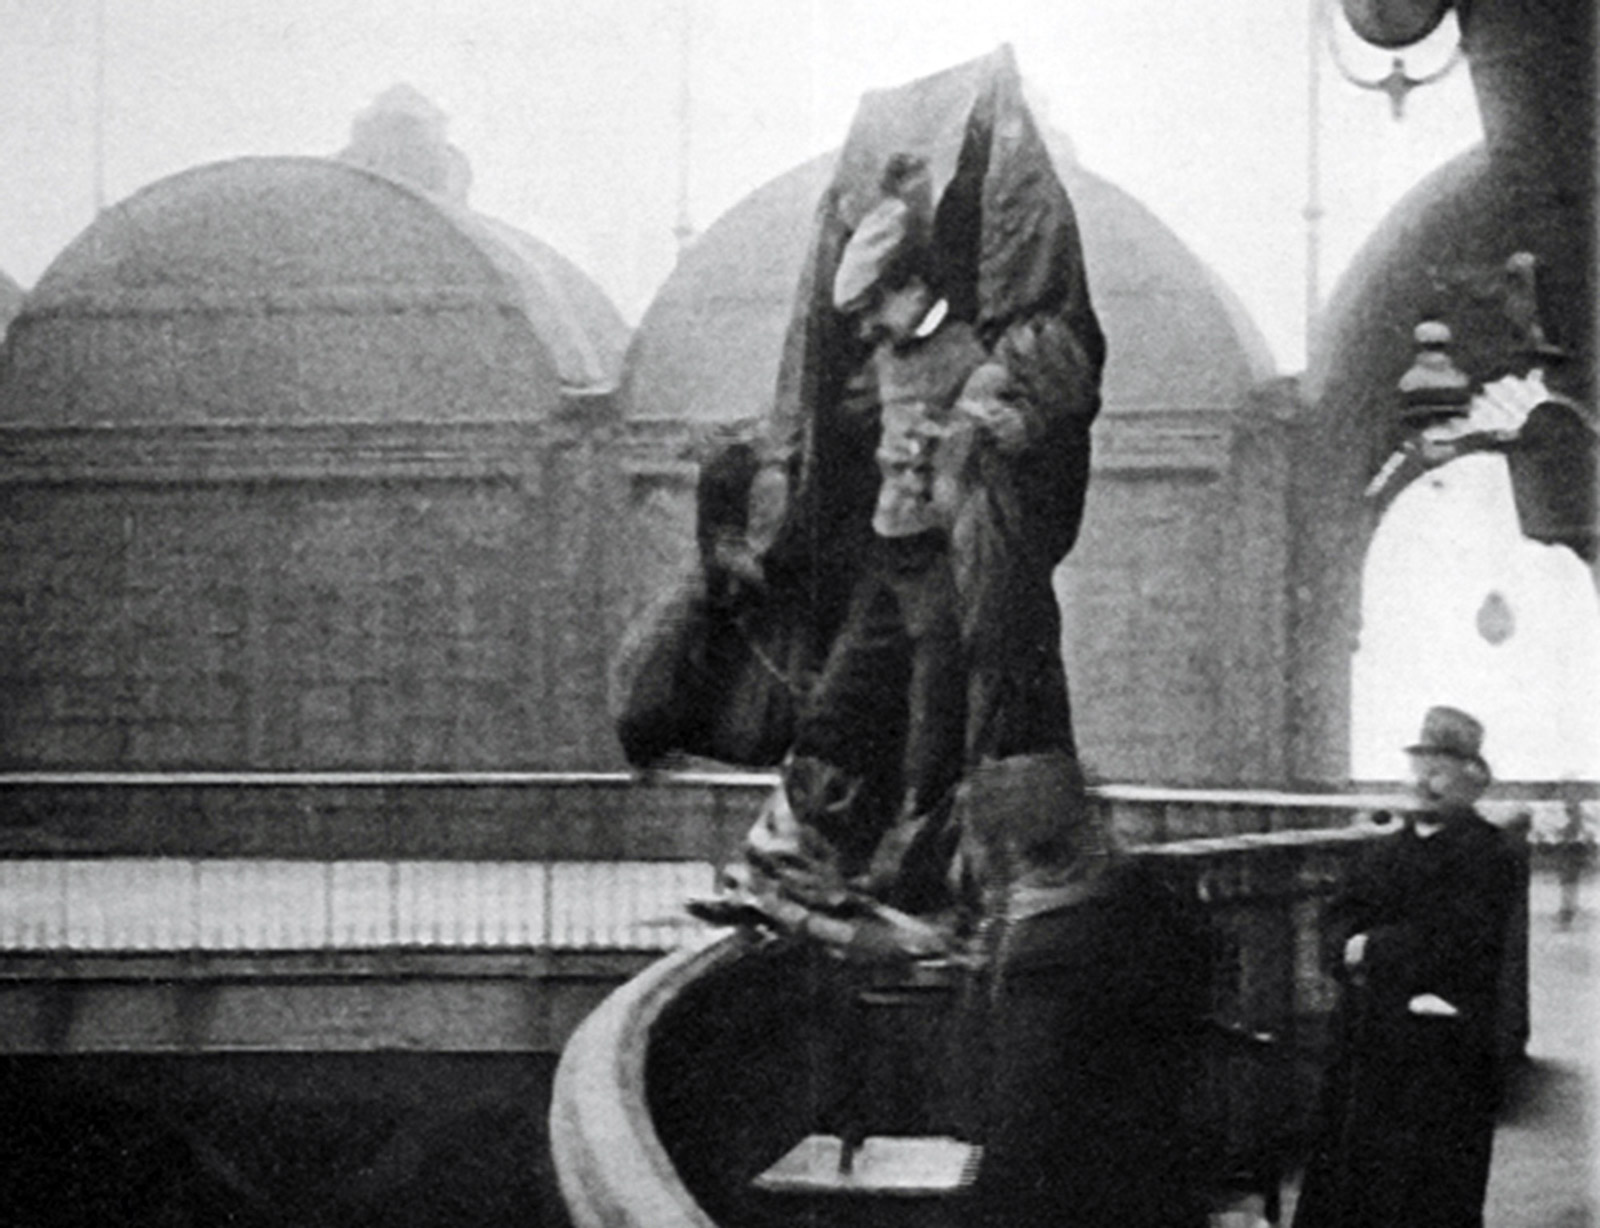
x,y
131,904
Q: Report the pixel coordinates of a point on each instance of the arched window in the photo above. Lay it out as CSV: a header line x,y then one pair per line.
x,y
1459,607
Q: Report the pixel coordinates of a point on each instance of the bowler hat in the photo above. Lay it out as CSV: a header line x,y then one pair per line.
x,y
1450,731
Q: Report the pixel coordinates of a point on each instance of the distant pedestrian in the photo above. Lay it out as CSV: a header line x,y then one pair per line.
x,y
1574,848
1409,1101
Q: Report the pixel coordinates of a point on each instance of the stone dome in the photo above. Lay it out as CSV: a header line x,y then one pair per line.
x,y
708,347
11,296
303,289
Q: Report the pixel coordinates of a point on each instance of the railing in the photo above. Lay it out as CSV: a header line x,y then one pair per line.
x,y
146,861
275,861
100,872
613,1169
106,862
120,904
535,816
674,1064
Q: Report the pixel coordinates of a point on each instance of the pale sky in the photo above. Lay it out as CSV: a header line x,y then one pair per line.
x,y
569,111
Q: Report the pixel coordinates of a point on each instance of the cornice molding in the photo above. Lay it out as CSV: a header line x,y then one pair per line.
x,y
253,452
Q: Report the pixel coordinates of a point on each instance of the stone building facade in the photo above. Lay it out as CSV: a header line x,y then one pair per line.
x,y
301,470
303,466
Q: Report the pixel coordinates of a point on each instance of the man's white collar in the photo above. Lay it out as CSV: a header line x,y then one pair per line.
x,y
931,321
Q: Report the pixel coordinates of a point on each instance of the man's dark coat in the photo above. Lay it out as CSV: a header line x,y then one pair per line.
x,y
1409,1101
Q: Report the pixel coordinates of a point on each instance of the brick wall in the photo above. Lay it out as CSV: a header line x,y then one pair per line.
x,y
449,596
372,597
1173,601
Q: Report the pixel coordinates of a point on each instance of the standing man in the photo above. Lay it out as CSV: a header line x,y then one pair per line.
x,y
1409,1103
1088,997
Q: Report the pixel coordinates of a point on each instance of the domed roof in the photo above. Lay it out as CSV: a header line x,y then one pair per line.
x,y
10,301
571,314
279,289
709,345
1177,337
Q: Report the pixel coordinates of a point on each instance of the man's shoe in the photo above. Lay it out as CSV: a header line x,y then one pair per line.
x,y
721,910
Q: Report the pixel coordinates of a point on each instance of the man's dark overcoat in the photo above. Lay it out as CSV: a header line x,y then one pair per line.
x,y
1409,1101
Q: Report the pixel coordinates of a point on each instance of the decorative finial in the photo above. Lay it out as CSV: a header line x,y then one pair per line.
x,y
1522,309
1433,388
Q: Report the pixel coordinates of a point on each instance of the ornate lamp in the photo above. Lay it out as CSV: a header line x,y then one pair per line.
x,y
1435,402
1551,442
1433,390
1553,477
1397,23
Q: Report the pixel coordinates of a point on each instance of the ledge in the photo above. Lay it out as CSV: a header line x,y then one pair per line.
x,y
613,1169
236,451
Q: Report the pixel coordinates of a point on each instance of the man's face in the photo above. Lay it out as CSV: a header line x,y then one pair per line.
x,y
895,314
769,501
1444,782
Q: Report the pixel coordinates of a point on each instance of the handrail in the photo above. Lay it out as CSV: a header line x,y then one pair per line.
x,y
1366,795
612,1167
697,814
82,906
381,779
1246,797
1263,891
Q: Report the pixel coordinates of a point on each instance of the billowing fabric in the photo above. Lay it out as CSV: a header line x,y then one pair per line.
x,y
714,666
933,667
977,631
1409,1100
705,674
1007,256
